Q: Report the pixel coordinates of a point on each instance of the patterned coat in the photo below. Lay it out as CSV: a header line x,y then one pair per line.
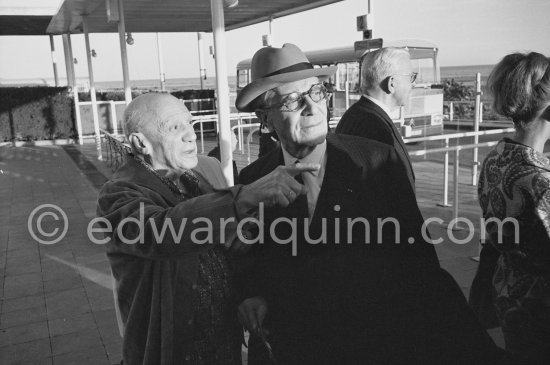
x,y
515,183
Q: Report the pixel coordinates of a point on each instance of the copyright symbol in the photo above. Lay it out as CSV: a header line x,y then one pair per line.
x,y
49,236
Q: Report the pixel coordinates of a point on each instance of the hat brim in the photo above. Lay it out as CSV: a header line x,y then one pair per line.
x,y
260,86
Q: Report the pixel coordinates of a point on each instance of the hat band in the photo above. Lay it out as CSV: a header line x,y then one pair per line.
x,y
296,67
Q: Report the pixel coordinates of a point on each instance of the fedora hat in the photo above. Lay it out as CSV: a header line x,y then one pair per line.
x,y
273,67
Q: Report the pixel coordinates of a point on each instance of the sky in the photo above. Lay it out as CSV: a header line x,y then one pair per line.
x,y
467,32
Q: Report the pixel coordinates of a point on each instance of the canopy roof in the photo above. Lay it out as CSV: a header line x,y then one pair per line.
x,y
24,24
26,17
172,15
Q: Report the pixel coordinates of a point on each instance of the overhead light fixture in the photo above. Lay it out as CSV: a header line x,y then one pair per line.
x,y
230,3
129,39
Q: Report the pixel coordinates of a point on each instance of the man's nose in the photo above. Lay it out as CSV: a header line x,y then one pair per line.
x,y
189,134
309,105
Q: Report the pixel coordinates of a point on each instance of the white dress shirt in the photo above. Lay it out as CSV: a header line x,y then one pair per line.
x,y
313,180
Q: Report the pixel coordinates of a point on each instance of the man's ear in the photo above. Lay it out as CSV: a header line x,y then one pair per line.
x,y
264,119
139,143
387,85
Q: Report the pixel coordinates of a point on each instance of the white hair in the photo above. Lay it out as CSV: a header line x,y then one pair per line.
x,y
378,65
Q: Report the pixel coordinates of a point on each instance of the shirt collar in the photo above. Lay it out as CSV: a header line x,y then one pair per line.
x,y
379,103
316,156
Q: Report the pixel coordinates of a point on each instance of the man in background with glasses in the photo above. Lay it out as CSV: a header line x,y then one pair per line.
x,y
318,292
386,83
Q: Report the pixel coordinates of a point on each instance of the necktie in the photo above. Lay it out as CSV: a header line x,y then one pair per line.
x,y
301,204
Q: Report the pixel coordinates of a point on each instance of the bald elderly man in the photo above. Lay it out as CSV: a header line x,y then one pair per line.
x,y
170,222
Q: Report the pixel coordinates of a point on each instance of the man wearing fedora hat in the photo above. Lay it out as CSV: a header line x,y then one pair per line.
x,y
324,291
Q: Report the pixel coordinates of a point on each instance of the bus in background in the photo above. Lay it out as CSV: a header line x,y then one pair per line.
x,y
422,116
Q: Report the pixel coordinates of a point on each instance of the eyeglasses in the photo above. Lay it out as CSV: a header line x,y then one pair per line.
x,y
295,101
412,75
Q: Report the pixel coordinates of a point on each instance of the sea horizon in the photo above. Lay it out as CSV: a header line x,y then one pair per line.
x,y
465,74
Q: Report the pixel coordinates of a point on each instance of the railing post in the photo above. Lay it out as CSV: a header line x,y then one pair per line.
x,y
92,88
477,120
456,227
248,138
446,177
347,93
77,115
114,126
202,137
451,111
240,132
481,113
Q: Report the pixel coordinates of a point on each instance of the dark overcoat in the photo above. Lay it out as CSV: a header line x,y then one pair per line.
x,y
368,120
355,302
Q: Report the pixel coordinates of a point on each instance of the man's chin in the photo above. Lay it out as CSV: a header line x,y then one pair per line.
x,y
313,141
189,162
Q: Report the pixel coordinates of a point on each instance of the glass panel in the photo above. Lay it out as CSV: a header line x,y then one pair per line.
x,y
425,69
341,77
348,72
353,76
243,78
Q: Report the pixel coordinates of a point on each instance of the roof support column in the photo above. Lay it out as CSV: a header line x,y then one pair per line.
x,y
222,88
202,69
69,65
71,81
92,88
161,64
124,53
271,31
54,61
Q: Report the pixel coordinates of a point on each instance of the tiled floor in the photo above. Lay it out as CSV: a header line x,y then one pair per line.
x,y
57,305
56,302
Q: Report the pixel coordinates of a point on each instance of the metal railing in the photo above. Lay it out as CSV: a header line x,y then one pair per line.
x,y
112,112
254,127
213,118
113,120
456,169
116,149
447,149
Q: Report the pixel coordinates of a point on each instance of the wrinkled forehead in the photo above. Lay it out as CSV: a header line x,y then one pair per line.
x,y
296,86
167,113
174,110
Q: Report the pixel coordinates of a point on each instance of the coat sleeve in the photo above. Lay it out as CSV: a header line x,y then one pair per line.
x,y
250,279
139,222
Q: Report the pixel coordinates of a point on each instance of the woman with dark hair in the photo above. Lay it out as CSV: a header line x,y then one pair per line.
x,y
514,194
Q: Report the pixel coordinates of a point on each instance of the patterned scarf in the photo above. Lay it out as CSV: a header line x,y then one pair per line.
x,y
189,182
